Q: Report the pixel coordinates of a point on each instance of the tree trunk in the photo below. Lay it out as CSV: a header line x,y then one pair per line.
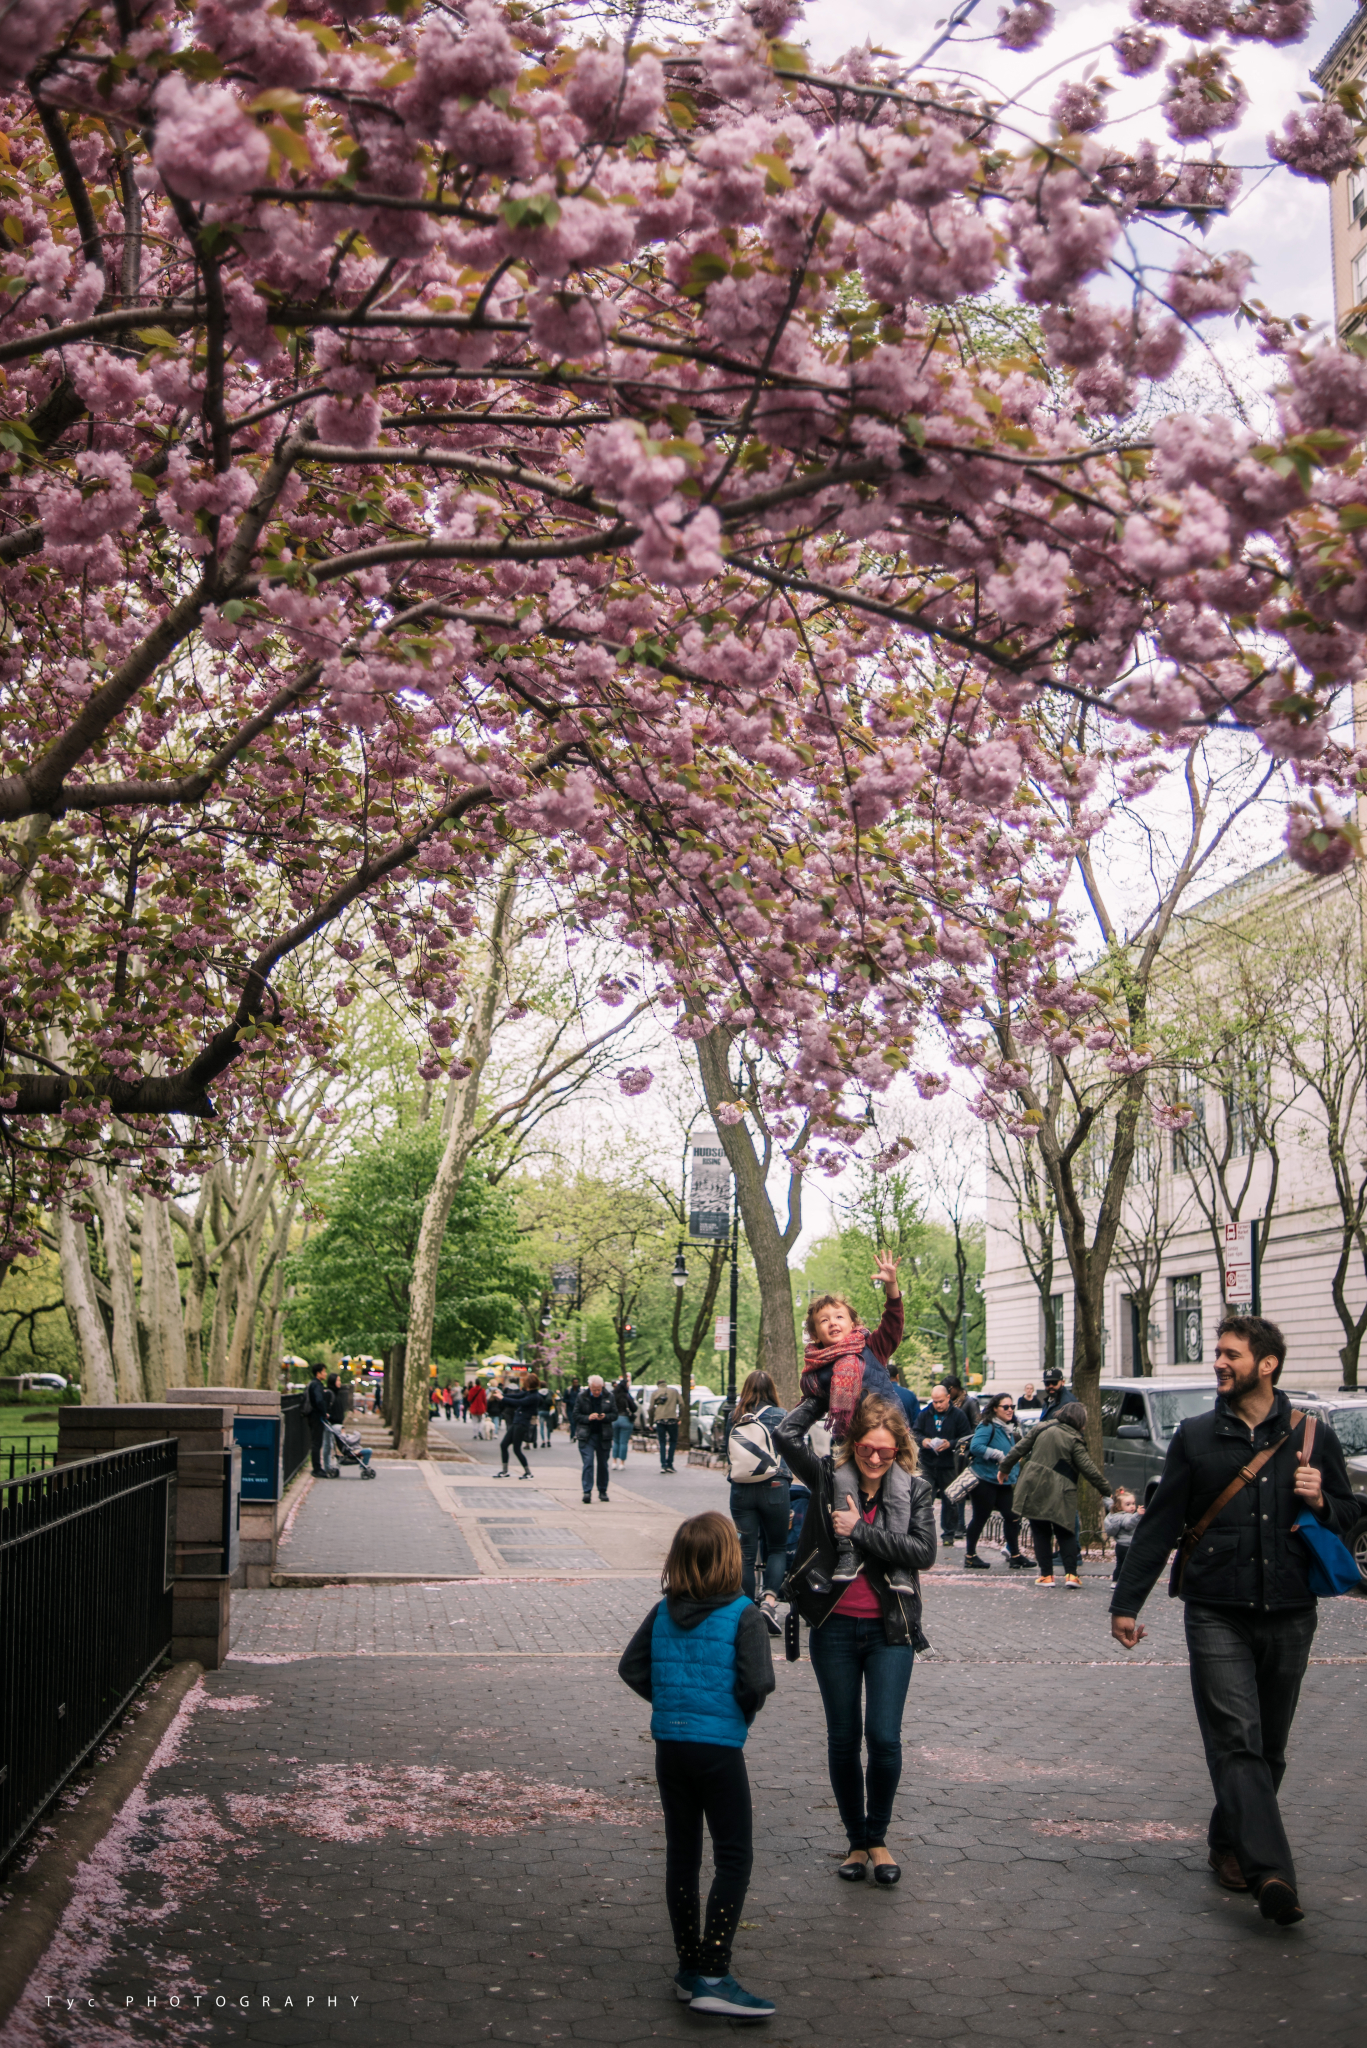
x,y
458,1121
251,1275
161,1311
225,1297
265,1375
109,1191
769,1246
196,1285
87,1324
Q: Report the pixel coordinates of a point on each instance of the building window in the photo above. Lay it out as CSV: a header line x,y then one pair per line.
x,y
1187,1145
1244,1096
1360,277
1091,1163
1357,198
1186,1320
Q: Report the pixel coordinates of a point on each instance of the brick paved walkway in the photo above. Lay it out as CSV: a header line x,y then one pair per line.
x,y
434,1806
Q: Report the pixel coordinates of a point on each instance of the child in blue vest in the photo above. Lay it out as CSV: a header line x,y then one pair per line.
x,y
701,1657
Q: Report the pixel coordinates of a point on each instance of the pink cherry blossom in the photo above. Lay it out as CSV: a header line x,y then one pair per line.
x,y
206,146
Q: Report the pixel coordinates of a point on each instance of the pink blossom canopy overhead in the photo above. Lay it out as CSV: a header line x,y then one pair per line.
x,y
428,429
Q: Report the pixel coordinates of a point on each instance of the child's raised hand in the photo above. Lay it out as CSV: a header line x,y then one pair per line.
x,y
885,1272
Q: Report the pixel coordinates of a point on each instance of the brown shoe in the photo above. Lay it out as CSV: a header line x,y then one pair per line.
x,y
1225,1864
1277,1901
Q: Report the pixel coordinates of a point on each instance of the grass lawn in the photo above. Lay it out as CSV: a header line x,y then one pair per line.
x,y
18,1422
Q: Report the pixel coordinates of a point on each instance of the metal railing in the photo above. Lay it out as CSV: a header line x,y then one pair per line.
x,y
296,1434
87,1556
18,1459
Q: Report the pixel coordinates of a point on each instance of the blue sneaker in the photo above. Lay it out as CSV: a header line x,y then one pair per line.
x,y
728,1998
685,1984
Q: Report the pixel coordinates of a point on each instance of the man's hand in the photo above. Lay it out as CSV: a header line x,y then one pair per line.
x,y
1127,1630
885,1274
1308,1485
845,1520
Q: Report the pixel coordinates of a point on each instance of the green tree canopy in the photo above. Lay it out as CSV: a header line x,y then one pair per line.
x,y
353,1277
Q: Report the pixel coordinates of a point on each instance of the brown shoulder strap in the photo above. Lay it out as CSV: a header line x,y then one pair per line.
x,y
1246,1475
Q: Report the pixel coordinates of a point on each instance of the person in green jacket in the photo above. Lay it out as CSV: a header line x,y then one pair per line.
x,y
1050,1458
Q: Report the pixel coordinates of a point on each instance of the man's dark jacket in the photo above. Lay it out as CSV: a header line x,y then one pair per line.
x,y
946,1426
594,1404
1250,1557
316,1401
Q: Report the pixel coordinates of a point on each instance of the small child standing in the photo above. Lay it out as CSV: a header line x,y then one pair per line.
x,y
1120,1525
701,1657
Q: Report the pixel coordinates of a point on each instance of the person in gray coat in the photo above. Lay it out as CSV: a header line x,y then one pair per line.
x,y
1051,1458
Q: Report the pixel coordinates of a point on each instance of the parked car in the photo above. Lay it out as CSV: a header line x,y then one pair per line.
x,y
47,1379
1347,1417
1139,1419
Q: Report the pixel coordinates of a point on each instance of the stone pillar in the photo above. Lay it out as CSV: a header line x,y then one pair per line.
x,y
208,1476
259,1519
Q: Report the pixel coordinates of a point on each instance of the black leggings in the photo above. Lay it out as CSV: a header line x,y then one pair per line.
x,y
989,1499
513,1442
702,1781
1046,1535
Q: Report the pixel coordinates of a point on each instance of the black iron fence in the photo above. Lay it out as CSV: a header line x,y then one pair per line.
x,y
34,1454
87,1554
296,1433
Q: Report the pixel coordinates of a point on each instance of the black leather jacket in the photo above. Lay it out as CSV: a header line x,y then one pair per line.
x,y
1250,1557
881,1550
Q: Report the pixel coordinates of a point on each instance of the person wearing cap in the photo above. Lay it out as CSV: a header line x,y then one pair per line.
x,y
1057,1393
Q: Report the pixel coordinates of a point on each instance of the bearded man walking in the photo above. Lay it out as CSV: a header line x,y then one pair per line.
x,y
1234,1485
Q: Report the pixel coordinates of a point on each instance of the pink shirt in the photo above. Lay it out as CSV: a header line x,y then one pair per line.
x,y
859,1599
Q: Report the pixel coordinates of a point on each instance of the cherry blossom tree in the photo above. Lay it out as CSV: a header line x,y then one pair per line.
x,y
430,425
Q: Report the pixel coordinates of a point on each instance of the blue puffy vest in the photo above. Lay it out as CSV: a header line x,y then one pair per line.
x,y
693,1678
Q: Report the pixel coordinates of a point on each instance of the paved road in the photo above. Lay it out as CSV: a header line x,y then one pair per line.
x,y
435,1806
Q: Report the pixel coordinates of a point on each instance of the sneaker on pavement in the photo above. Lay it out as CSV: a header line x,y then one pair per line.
x,y
685,1984
1045,1582
731,2000
1072,1579
1019,1564
769,1609
976,1564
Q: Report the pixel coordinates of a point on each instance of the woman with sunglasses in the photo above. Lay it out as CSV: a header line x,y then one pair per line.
x,y
995,1435
865,1617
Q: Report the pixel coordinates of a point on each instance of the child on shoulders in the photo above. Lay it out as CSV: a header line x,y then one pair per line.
x,y
843,1361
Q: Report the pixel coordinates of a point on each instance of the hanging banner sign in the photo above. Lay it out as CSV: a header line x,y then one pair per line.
x,y
721,1335
709,1188
565,1281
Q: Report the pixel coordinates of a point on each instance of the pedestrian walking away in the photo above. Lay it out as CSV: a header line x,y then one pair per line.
x,y
623,1416
1051,1458
938,1429
1235,1484
701,1657
477,1404
316,1414
761,1503
663,1416
865,1630
593,1418
987,1447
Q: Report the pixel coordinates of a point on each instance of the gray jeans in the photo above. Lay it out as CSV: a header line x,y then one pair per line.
x,y
1246,1672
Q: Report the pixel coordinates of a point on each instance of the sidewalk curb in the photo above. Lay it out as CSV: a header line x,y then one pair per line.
x,y
40,1897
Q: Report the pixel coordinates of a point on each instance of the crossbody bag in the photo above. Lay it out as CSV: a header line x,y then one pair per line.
x,y
1244,1477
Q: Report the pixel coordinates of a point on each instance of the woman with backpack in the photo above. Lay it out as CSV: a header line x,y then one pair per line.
x,y
994,1436
760,1501
865,1627
1051,1457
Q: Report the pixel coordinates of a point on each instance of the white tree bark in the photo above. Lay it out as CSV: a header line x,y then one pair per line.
x,y
109,1192
83,1311
165,1364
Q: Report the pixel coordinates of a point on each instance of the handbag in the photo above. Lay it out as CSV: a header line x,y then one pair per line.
x,y
1333,1567
959,1489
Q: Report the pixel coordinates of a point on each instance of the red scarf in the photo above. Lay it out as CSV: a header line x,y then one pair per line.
x,y
846,1360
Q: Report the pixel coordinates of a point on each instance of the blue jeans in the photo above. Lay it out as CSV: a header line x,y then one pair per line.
x,y
756,1510
667,1437
621,1435
853,1658
1246,1672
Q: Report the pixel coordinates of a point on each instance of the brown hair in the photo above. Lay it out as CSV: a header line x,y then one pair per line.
x,y
827,1301
875,1411
758,1390
1263,1339
704,1558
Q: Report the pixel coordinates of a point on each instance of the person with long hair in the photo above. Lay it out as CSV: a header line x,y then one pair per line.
x,y
701,1657
864,1634
1051,1458
519,1415
994,1436
761,1506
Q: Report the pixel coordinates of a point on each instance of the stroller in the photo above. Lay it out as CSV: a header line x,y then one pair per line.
x,y
349,1449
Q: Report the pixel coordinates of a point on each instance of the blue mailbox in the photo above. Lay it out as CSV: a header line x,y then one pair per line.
x,y
260,1438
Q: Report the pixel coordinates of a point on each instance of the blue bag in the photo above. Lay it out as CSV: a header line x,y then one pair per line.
x,y
1333,1567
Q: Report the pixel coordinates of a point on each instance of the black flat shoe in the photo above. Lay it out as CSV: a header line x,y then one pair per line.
x,y
887,1873
853,1873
